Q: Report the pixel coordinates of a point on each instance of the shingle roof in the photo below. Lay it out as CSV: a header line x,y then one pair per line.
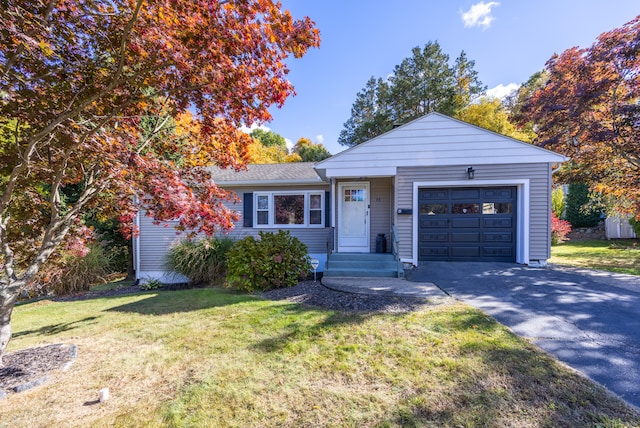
x,y
293,172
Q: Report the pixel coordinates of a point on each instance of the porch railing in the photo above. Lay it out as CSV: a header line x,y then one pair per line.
x,y
395,249
330,238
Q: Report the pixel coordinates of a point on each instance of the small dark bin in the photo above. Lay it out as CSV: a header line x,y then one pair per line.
x,y
381,243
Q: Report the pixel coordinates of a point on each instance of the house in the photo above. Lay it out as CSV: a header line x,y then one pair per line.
x,y
436,187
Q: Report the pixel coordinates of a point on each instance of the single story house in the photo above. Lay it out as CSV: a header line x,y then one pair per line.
x,y
436,187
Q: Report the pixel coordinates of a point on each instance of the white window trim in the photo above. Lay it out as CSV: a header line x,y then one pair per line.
x,y
307,209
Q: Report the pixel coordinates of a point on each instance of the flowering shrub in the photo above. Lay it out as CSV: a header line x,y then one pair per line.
x,y
559,230
268,261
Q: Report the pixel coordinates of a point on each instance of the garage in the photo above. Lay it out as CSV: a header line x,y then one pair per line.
x,y
467,224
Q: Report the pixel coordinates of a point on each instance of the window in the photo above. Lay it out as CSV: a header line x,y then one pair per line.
x,y
496,208
262,209
468,208
289,209
433,209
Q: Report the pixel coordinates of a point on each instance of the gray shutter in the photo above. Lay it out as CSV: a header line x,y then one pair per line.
x,y
247,210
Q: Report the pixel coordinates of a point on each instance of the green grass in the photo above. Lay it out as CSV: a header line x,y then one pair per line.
x,y
620,255
214,358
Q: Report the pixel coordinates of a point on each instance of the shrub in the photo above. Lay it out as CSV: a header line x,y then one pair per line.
x,y
268,261
559,230
579,211
557,202
151,284
77,273
635,225
203,261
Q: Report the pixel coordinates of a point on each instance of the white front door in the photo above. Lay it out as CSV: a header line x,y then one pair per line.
x,y
353,217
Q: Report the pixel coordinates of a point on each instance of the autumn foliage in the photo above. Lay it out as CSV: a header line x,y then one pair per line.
x,y
559,229
589,110
87,93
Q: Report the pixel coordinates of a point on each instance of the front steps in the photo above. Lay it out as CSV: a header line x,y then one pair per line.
x,y
375,265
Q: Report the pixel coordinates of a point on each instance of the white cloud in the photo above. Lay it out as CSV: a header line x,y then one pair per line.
x,y
289,144
501,90
479,15
247,130
320,138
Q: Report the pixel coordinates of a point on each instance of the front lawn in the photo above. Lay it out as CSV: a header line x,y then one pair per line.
x,y
210,357
619,255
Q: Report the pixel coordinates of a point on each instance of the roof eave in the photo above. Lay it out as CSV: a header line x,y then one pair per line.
x,y
270,183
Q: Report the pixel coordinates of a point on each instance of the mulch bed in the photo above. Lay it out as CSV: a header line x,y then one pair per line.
x,y
31,367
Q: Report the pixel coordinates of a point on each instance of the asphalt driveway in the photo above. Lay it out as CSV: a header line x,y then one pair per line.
x,y
587,319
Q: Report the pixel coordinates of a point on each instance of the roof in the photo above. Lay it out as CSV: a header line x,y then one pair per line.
x,y
277,173
432,140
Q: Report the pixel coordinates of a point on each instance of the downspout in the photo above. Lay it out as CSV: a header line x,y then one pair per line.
x,y
136,243
335,202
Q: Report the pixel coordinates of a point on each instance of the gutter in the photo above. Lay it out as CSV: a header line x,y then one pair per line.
x,y
269,183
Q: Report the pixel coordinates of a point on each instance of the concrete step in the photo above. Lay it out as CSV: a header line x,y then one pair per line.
x,y
380,265
355,264
362,256
361,273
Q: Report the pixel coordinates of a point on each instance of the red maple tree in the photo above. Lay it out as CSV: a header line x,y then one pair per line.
x,y
79,79
589,110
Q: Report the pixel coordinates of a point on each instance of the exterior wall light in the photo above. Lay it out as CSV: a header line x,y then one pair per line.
x,y
470,173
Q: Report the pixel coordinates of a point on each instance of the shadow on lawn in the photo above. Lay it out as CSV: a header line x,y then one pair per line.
x,y
168,302
50,330
516,388
508,385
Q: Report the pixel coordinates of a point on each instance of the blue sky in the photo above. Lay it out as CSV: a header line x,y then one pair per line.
x,y
508,39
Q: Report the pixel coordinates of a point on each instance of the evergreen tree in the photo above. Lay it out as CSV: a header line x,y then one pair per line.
x,y
420,84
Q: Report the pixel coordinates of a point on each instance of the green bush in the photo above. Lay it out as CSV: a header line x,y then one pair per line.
x,y
635,225
268,261
203,261
580,213
76,274
557,202
151,284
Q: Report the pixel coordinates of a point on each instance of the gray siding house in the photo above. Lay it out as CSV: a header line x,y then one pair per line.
x,y
436,187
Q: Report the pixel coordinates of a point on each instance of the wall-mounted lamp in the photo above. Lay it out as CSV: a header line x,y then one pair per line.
x,y
470,173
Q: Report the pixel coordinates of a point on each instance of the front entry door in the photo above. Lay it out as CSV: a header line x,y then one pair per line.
x,y
353,217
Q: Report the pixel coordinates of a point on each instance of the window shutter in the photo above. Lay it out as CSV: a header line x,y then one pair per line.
x,y
247,210
327,209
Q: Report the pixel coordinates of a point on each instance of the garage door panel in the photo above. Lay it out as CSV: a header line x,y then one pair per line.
x,y
438,252
434,194
434,237
467,224
465,252
435,223
497,237
465,237
499,193
497,251
497,222
471,194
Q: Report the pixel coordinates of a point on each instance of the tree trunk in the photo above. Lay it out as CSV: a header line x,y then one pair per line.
x,y
8,297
